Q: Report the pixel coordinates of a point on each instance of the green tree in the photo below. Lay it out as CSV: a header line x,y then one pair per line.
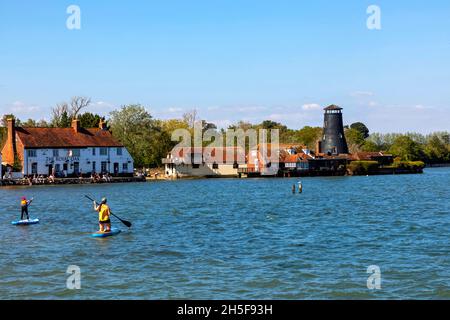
x,y
361,128
42,124
90,120
136,129
370,146
309,136
169,126
10,116
355,139
436,150
244,125
30,123
407,149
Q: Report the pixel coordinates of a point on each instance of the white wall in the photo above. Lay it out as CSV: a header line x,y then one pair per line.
x,y
45,157
202,171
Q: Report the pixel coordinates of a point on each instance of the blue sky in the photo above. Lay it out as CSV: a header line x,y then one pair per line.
x,y
232,60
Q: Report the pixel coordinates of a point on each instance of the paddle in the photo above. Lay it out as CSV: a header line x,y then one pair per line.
x,y
127,223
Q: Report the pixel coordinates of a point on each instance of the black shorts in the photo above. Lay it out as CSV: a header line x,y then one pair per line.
x,y
105,222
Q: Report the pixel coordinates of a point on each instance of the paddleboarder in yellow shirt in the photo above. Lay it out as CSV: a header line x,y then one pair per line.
x,y
104,214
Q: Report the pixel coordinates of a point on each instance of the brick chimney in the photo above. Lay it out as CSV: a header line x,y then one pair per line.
x,y
318,147
102,125
9,150
76,125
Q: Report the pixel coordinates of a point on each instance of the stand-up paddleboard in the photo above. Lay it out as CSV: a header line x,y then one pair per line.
x,y
25,222
114,232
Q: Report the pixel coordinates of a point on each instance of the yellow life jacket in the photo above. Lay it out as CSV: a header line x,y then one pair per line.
x,y
103,213
24,203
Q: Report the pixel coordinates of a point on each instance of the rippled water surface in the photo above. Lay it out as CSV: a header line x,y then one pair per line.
x,y
234,239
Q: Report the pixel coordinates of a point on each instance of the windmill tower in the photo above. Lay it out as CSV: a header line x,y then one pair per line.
x,y
333,140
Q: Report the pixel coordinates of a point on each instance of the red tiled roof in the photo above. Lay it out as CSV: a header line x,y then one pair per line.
x,y
333,107
294,158
66,138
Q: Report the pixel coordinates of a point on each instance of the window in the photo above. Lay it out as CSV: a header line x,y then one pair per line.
x,y
195,166
125,167
104,166
32,153
94,151
119,151
55,153
103,151
215,166
75,152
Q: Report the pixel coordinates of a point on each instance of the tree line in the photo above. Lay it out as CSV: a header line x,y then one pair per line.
x,y
149,140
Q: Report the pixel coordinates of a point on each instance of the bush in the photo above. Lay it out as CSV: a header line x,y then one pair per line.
x,y
410,165
363,166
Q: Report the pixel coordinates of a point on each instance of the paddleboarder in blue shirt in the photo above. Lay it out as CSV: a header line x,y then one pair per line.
x,y
24,204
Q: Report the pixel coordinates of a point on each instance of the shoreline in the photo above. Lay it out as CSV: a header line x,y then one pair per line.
x,y
69,181
159,178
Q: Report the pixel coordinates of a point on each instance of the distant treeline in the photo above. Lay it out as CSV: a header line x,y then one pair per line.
x,y
149,139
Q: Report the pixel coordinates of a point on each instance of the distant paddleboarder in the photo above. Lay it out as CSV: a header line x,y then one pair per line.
x,y
24,204
104,214
300,187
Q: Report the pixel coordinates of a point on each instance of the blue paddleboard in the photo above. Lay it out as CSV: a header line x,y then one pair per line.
x,y
25,222
98,234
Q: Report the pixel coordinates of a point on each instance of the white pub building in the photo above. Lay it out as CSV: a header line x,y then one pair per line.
x,y
65,152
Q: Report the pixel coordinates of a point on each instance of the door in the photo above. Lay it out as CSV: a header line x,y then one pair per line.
x,y
116,168
50,170
34,168
76,167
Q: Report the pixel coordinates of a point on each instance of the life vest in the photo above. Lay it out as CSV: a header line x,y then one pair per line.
x,y
103,213
24,203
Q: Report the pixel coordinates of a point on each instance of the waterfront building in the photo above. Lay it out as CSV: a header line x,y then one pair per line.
x,y
267,159
204,162
65,152
292,164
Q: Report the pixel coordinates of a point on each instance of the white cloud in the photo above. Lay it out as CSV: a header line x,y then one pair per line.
x,y
100,107
22,107
251,109
311,106
422,107
174,110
